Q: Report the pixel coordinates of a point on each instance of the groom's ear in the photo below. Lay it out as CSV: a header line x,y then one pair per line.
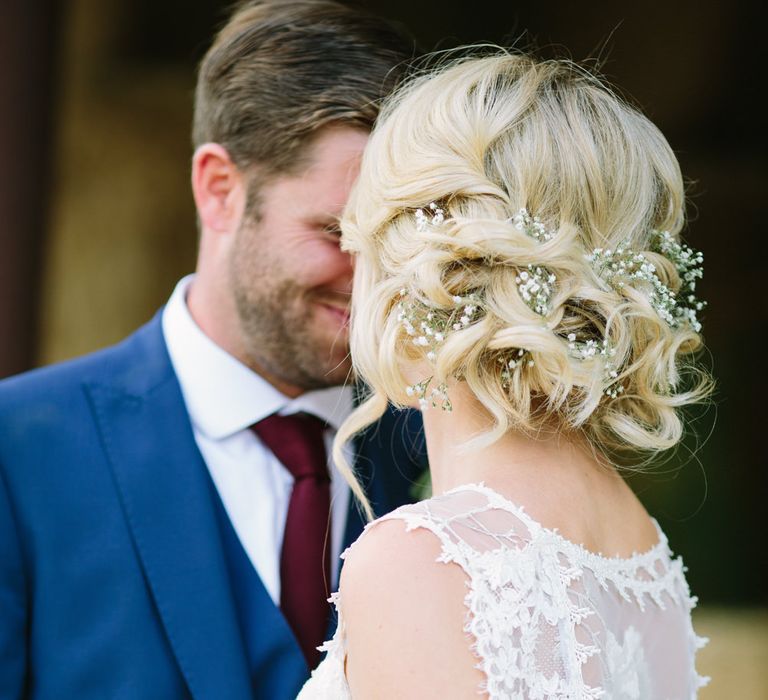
x,y
219,188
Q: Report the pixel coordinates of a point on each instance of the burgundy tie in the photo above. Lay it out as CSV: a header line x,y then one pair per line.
x,y
305,563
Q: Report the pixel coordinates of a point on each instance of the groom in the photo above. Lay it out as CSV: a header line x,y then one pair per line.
x,y
169,525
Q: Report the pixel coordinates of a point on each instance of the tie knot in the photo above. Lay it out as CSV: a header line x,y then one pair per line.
x,y
298,442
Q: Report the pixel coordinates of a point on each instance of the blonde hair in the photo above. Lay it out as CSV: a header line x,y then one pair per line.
x,y
486,136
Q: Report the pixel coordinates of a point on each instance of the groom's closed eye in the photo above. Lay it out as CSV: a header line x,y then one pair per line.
x,y
332,229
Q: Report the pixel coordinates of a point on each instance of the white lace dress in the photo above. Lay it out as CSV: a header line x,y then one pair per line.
x,y
546,618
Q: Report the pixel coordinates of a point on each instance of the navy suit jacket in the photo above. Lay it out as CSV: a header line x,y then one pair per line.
x,y
113,584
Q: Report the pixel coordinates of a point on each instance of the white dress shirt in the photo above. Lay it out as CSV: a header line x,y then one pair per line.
x,y
224,398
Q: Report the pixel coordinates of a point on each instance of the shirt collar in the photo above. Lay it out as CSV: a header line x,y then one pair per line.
x,y
222,395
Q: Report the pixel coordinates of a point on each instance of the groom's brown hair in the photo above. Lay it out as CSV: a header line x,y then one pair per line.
x,y
281,70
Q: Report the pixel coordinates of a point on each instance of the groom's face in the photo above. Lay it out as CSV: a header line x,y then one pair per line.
x,y
290,280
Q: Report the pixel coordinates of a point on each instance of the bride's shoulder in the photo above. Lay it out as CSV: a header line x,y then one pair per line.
x,y
403,554
404,610
390,551
388,548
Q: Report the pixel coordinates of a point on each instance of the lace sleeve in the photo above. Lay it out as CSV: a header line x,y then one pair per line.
x,y
548,619
514,603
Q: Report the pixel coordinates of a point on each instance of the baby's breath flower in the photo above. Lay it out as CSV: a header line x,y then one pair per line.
x,y
434,215
434,325
689,265
614,390
532,226
436,397
590,349
536,286
625,266
520,358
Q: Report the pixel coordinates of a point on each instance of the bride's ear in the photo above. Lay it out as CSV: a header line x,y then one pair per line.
x,y
219,189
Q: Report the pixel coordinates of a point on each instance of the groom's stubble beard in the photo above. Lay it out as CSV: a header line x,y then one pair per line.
x,y
277,317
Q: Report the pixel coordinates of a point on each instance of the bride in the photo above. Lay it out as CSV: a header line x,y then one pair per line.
x,y
519,276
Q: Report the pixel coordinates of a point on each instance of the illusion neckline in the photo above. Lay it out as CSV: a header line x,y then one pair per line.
x,y
633,561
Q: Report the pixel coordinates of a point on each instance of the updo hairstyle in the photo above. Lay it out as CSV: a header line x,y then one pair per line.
x,y
485,137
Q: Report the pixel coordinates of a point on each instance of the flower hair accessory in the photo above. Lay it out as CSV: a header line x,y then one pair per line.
x,y
535,283
427,327
434,216
624,266
588,349
532,226
689,265
536,286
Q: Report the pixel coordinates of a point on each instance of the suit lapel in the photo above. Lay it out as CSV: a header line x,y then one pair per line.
x,y
165,492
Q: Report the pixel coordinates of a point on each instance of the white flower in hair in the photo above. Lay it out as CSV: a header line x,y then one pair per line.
x,y
434,216
535,283
689,265
532,226
536,287
427,327
509,366
627,267
590,349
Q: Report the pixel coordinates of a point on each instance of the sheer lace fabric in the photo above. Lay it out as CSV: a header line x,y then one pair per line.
x,y
547,619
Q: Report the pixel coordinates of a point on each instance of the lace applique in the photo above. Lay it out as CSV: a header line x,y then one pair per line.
x,y
328,681
626,665
548,619
534,628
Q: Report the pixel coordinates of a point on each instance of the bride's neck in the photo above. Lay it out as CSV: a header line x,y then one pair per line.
x,y
517,456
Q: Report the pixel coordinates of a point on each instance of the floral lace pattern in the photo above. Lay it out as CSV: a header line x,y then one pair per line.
x,y
548,619
627,666
328,680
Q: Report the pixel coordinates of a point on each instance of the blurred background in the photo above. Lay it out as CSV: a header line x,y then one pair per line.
x,y
97,221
